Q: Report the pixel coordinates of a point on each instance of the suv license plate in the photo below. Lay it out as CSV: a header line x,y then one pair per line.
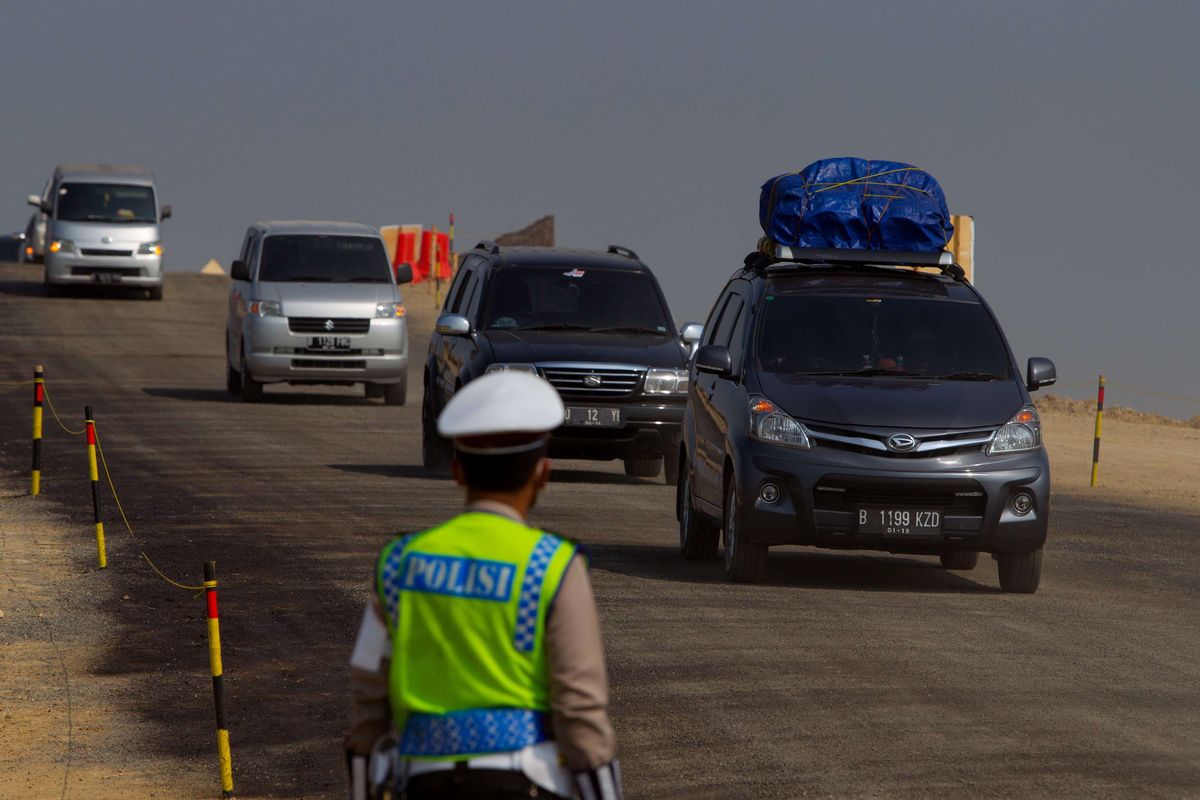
x,y
888,521
106,277
589,417
329,343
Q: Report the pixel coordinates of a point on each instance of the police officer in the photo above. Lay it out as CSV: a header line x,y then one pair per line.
x,y
481,641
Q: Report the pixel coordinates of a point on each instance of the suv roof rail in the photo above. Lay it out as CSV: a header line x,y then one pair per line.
x,y
488,245
780,256
618,250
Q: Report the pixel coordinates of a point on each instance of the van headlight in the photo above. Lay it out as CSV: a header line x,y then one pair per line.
x,y
62,245
1021,433
389,310
666,381
150,249
266,308
769,424
528,368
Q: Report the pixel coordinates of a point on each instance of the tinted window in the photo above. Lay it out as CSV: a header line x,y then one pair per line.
x,y
729,318
714,319
737,339
900,336
325,259
105,202
526,298
465,287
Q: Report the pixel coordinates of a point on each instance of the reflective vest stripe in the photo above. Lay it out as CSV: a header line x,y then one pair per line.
x,y
389,578
525,631
471,732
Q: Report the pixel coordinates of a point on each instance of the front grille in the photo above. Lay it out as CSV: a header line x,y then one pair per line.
x,y
328,363
91,251
931,444
318,325
124,271
581,380
964,498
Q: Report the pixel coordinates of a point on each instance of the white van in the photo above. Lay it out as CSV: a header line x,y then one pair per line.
x,y
102,227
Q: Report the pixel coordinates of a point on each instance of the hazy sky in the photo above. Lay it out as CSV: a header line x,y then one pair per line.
x,y
1070,130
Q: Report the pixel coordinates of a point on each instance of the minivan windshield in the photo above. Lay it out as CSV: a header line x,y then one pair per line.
x,y
106,202
563,297
324,259
894,336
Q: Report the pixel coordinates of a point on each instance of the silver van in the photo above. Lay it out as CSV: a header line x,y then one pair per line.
x,y
102,227
316,303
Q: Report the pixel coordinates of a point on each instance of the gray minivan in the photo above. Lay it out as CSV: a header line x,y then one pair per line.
x,y
316,303
102,227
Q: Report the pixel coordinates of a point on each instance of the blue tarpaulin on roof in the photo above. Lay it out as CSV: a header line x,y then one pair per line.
x,y
856,204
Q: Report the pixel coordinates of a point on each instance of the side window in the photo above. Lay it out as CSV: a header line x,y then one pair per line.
x,y
244,255
455,292
251,258
737,339
714,318
729,318
472,294
461,291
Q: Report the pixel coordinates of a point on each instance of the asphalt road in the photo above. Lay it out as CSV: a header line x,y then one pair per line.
x,y
845,675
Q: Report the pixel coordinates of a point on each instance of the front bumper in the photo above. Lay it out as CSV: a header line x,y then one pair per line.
x,y
274,354
649,429
821,489
73,269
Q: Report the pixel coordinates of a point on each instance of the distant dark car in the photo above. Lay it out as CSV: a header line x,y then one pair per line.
x,y
595,325
840,399
11,246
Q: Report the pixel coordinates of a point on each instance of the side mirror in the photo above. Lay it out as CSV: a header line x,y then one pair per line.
x,y
691,333
1040,372
164,213
453,325
715,359
404,273
239,271
34,201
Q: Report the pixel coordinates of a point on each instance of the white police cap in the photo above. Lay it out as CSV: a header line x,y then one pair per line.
x,y
502,403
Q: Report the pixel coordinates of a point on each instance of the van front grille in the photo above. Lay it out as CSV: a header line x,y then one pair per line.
x,y
956,498
581,380
328,325
92,251
328,363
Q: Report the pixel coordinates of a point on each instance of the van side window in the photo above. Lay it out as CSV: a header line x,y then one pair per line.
x,y
729,318
737,339
458,299
714,318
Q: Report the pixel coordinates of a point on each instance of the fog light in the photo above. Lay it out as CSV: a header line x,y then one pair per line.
x,y
769,493
1022,503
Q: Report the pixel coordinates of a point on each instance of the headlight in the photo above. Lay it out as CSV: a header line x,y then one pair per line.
x,y
63,245
769,424
529,368
150,249
1022,432
666,381
266,308
389,310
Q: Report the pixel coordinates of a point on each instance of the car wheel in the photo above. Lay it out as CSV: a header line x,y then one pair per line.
x,y
1020,573
252,390
960,560
53,289
643,467
373,390
671,466
435,452
745,561
233,381
396,394
698,538
155,293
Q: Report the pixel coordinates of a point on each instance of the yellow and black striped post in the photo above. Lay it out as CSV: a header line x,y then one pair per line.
x,y
218,679
39,395
89,425
1099,425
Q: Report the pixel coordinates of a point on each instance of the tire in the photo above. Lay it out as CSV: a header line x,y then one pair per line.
x,y
960,560
396,394
233,381
155,293
698,538
671,465
435,451
643,467
53,289
252,390
373,390
1020,573
745,562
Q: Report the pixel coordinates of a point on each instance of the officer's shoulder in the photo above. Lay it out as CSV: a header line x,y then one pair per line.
x,y
579,547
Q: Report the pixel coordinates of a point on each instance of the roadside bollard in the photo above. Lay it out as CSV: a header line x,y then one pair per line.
x,y
218,679
1099,424
39,394
89,425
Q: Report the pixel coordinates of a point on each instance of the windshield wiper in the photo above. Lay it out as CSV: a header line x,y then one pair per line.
x,y
970,376
551,326
865,371
629,329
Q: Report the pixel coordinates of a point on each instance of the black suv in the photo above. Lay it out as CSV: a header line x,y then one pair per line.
x,y
595,325
844,399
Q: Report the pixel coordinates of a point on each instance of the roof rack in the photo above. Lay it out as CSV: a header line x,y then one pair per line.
x,y
488,245
770,254
618,250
